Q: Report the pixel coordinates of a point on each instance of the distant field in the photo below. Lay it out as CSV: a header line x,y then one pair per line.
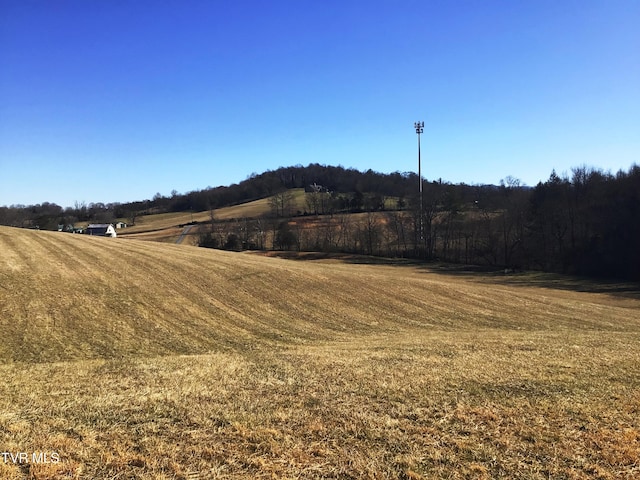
x,y
163,227
143,360
146,223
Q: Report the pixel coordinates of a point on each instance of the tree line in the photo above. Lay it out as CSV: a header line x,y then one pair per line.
x,y
584,223
336,179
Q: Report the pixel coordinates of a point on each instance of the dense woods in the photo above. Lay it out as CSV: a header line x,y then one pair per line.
x,y
585,223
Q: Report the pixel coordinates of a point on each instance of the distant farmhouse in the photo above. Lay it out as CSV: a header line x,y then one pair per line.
x,y
101,229
121,225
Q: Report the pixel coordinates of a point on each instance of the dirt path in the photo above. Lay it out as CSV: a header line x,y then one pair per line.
x,y
184,232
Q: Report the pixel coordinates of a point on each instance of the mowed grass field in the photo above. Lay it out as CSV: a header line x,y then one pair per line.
x,y
164,226
134,359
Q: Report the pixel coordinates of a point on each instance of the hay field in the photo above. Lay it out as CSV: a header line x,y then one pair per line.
x,y
134,359
256,208
260,207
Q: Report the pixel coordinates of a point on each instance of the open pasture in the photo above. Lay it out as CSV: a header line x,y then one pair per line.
x,y
160,222
143,360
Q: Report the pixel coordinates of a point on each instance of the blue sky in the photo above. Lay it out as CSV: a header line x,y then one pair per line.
x,y
113,101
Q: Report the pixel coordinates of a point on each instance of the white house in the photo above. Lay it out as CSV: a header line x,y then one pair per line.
x,y
101,229
121,225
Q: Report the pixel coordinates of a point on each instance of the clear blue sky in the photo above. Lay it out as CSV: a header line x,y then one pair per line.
x,y
112,101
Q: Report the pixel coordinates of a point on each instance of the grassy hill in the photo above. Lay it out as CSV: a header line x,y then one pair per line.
x,y
75,297
252,209
144,360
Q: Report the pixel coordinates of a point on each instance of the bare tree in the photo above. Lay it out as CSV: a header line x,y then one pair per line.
x,y
281,203
344,227
372,233
512,219
261,234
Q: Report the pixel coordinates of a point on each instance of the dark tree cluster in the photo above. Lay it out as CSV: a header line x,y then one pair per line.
x,y
588,224
335,180
50,216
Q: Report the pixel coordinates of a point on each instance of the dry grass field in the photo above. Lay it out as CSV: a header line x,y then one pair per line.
x,y
132,359
162,226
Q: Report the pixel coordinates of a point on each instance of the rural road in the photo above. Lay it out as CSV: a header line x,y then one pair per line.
x,y
184,232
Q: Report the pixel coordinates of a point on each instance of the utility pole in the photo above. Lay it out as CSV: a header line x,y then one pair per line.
x,y
419,126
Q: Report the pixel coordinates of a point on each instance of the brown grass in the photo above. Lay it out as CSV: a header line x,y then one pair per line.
x,y
160,222
260,207
164,227
141,360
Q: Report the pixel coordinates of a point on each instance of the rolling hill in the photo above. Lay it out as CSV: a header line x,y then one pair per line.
x,y
75,297
164,227
133,359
